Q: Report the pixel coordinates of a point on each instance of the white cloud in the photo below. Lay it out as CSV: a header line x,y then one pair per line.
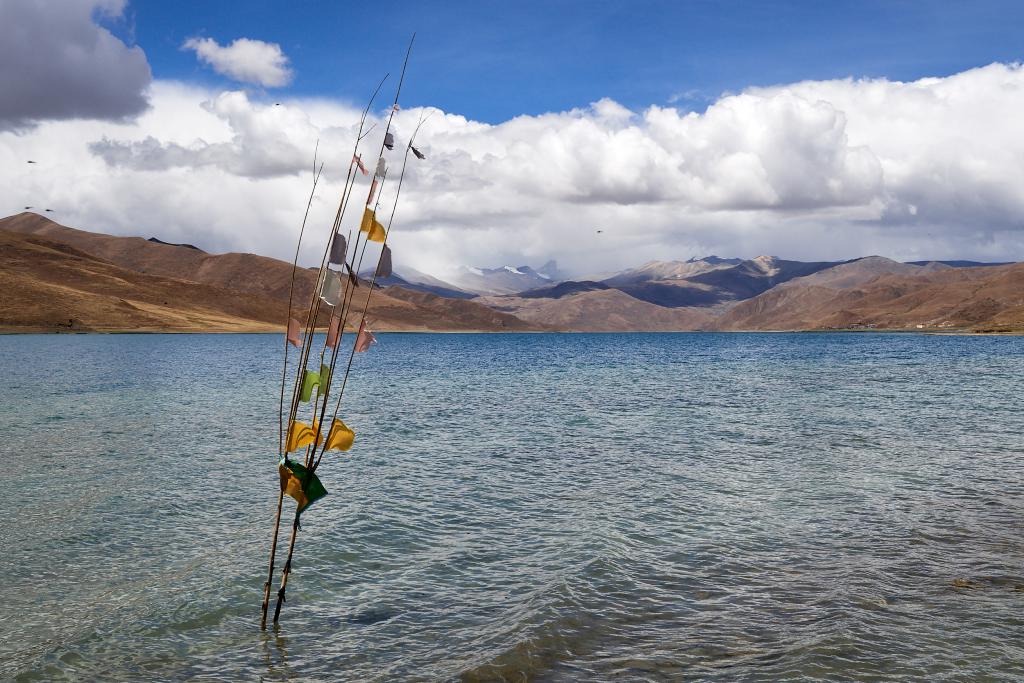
x,y
812,170
245,60
56,62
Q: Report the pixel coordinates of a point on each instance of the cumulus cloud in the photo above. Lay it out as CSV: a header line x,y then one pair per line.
x,y
265,142
56,62
245,60
811,170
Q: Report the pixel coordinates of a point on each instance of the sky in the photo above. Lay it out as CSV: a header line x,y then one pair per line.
x,y
806,130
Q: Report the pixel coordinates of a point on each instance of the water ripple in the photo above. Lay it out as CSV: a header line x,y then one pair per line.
x,y
520,508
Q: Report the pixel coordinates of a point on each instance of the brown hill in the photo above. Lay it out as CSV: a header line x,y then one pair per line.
x,y
51,286
882,295
602,310
198,291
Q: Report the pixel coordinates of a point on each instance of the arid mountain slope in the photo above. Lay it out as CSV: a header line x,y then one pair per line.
x,y
252,288
987,298
247,273
50,286
669,270
601,310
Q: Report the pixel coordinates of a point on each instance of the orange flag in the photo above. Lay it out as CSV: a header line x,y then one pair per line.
x,y
332,331
365,338
359,163
293,333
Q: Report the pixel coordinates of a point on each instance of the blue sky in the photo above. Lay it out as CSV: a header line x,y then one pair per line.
x,y
592,105
491,61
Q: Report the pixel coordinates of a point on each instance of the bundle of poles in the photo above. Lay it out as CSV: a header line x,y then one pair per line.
x,y
339,316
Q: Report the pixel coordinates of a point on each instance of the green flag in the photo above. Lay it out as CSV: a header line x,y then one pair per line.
x,y
325,379
298,483
309,380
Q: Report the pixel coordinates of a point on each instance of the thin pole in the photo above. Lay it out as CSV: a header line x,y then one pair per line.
x,y
366,306
309,462
306,337
280,409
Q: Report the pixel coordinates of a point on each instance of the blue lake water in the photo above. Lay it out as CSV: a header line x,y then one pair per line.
x,y
646,507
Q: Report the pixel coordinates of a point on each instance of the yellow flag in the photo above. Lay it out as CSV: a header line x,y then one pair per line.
x,y
369,218
340,437
301,435
376,232
371,226
300,484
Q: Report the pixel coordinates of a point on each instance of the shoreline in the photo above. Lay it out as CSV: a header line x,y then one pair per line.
x,y
323,330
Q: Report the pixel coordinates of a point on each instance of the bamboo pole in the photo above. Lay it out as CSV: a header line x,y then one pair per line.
x,y
307,337
286,572
284,372
366,306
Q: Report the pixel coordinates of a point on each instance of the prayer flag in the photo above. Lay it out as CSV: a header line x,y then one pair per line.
x,y
293,333
333,330
377,233
325,380
419,154
359,162
381,168
365,338
310,379
389,140
352,276
331,290
369,218
395,107
300,484
372,227
384,264
340,437
301,435
373,190
338,248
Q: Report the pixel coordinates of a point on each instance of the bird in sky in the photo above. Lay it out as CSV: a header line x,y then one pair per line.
x,y
27,208
31,162
49,210
599,232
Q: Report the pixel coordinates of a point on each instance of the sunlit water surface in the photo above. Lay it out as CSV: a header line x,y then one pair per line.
x,y
521,507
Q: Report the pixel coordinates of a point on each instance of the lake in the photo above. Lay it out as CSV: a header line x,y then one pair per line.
x,y
628,507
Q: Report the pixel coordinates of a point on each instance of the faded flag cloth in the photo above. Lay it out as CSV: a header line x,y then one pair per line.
x,y
338,248
310,379
300,484
365,338
293,333
389,140
359,162
325,380
331,291
381,168
301,435
384,264
419,154
373,191
333,331
341,436
395,107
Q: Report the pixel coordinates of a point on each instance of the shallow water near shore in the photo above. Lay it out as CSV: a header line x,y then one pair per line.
x,y
645,507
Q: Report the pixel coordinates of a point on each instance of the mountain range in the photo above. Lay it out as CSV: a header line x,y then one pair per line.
x,y
57,278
